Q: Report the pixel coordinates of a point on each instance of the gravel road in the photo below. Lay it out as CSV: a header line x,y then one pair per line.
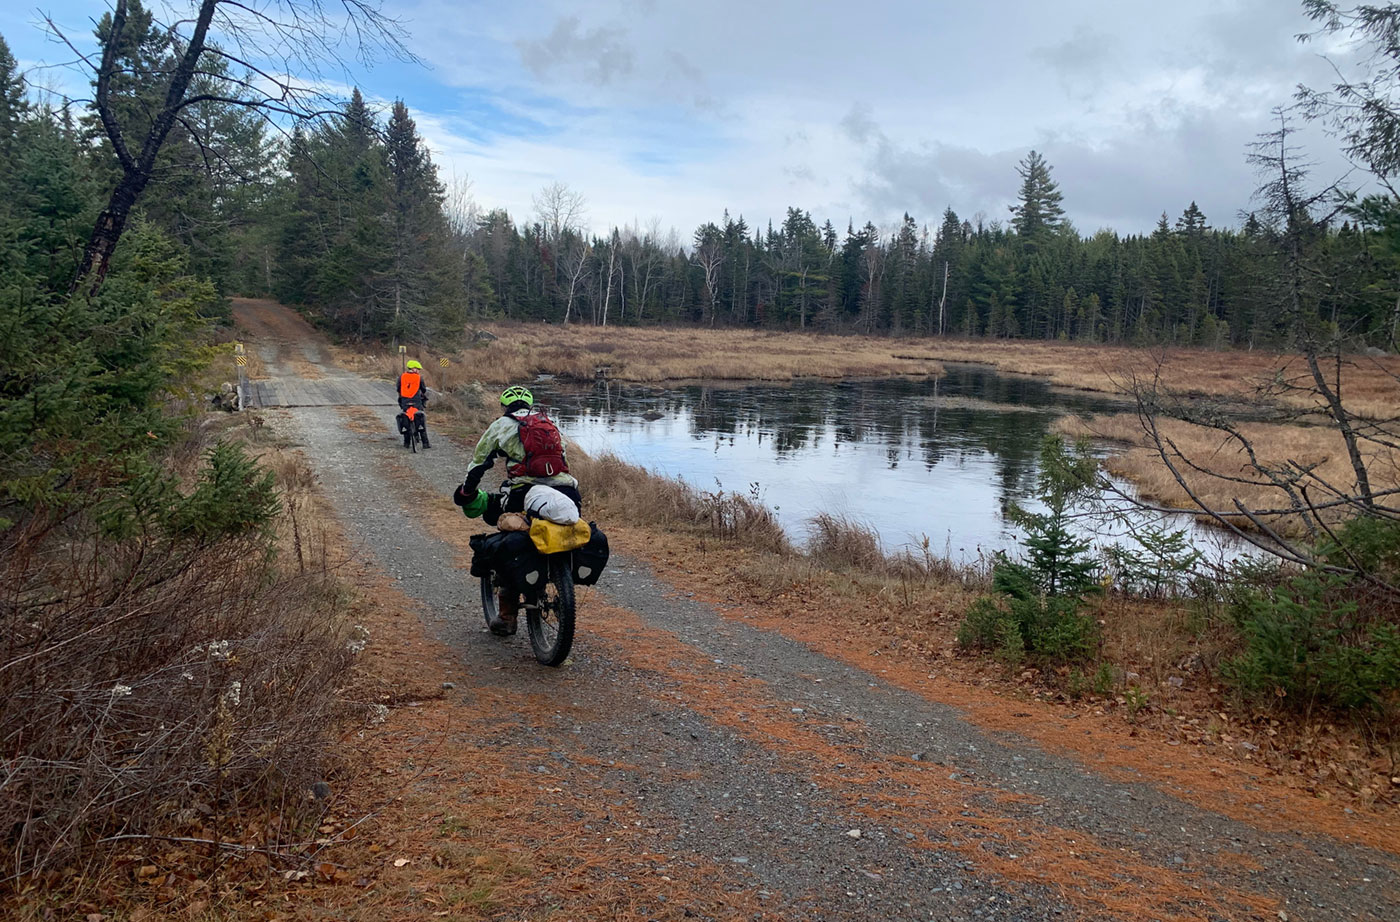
x,y
830,793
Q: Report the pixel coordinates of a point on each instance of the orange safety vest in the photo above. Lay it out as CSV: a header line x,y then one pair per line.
x,y
409,382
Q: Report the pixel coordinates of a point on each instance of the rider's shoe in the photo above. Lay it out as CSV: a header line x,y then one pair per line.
x,y
425,439
507,613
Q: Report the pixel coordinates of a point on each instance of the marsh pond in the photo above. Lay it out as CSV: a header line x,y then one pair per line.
x,y
908,457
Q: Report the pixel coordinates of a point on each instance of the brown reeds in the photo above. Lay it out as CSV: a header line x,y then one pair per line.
x,y
636,495
840,544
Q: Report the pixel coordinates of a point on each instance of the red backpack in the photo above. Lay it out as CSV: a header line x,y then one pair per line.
x,y
544,448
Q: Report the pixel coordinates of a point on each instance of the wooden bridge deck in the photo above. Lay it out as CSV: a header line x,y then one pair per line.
x,y
320,392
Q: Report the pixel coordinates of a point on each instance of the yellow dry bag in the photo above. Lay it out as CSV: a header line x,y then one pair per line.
x,y
552,538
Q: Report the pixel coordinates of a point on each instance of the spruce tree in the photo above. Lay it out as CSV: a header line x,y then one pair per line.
x,y
1192,222
1038,213
13,107
423,285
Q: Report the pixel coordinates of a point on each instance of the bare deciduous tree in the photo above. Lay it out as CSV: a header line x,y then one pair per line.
x,y
614,268
645,257
559,209
1308,390
283,49
575,260
709,256
463,211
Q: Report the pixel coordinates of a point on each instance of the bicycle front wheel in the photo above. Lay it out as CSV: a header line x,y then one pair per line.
x,y
550,619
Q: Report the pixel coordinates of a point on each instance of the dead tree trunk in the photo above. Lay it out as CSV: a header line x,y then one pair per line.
x,y
136,171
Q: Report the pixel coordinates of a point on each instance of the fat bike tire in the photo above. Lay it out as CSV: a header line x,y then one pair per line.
x,y
550,620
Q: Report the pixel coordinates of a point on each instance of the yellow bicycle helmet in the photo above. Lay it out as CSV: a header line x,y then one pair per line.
x,y
415,365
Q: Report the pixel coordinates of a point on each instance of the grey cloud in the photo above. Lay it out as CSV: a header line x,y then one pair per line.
x,y
1255,41
1121,184
689,82
598,55
1078,61
926,179
685,67
859,126
800,173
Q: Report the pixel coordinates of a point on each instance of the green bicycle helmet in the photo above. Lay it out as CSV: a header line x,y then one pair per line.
x,y
515,394
415,365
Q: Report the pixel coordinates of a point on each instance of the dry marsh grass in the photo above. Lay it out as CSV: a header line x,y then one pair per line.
x,y
1369,384
1276,445
651,354
841,545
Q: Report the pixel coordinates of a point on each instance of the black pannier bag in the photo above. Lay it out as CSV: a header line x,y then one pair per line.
x,y
590,559
514,560
511,555
482,548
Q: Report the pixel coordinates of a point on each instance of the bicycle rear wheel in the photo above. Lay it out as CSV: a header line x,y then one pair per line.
x,y
550,617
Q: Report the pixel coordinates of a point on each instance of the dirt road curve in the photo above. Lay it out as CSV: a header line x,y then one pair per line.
x,y
792,785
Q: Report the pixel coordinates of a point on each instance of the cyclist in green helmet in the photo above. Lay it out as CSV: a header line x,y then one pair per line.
x,y
534,451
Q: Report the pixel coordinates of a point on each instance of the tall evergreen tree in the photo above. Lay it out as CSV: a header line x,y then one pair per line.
x,y
422,283
13,106
1038,212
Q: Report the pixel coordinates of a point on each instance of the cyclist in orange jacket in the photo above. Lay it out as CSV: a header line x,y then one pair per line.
x,y
413,392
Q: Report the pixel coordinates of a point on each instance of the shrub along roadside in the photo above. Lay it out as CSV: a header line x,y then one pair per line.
x,y
1308,640
1036,606
160,671
1317,640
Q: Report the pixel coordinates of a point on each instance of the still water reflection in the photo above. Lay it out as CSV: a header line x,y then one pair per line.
x,y
908,457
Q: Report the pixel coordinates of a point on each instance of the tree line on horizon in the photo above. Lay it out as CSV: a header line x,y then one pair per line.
x,y
347,217
1032,277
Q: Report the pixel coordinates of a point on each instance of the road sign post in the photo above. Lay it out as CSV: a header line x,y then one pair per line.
x,y
240,361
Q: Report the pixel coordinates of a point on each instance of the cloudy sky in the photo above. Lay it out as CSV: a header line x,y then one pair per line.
x,y
863,111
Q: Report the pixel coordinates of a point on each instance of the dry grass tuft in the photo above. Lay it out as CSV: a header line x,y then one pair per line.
x,y
626,492
840,544
843,546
